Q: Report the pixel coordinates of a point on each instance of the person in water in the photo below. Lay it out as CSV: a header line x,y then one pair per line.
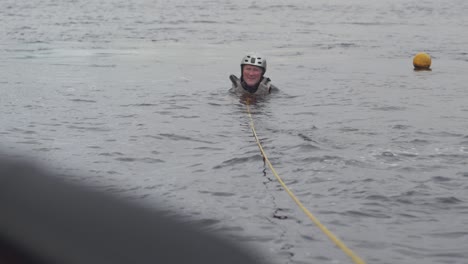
x,y
253,81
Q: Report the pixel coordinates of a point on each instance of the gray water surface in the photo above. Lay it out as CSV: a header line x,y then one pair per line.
x,y
132,97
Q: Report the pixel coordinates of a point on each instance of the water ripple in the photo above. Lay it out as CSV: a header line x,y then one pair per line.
x,y
222,194
183,138
78,100
144,160
237,161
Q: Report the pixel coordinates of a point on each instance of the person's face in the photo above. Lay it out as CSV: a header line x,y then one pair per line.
x,y
252,74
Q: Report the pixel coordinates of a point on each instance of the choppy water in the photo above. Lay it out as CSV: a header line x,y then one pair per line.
x,y
131,96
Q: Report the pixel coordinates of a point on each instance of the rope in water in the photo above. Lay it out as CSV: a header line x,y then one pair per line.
x,y
356,259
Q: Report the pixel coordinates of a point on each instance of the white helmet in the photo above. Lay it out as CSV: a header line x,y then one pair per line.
x,y
254,59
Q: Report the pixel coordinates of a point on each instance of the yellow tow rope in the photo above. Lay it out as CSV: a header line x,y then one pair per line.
x,y
356,259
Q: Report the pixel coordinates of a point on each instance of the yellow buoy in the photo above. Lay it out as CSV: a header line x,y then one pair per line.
x,y
422,61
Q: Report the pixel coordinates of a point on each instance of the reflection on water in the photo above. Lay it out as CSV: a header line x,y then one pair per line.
x,y
138,104
253,100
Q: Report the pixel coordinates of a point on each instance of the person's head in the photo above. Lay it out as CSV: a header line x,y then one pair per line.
x,y
253,67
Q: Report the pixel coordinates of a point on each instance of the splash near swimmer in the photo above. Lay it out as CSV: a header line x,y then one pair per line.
x,y
422,62
252,80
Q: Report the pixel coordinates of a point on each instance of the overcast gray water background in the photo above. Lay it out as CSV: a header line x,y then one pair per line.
x,y
132,97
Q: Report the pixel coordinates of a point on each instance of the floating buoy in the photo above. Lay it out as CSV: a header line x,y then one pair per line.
x,y
422,61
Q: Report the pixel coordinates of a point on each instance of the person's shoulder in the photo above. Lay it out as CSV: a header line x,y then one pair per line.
x,y
272,87
233,79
